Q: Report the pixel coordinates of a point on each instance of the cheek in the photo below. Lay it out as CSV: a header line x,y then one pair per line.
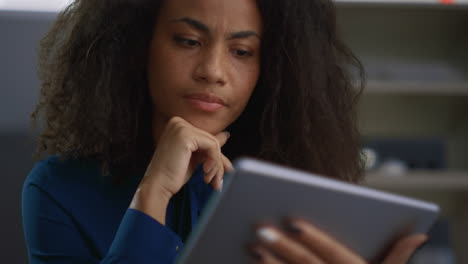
x,y
165,69
159,76
248,78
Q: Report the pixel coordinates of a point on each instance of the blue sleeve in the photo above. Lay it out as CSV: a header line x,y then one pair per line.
x,y
52,235
142,239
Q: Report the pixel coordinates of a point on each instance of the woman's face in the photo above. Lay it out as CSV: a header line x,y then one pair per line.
x,y
204,61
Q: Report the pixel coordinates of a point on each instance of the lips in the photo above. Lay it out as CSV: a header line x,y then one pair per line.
x,y
206,102
208,98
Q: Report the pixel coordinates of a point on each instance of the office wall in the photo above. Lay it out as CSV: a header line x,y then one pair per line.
x,y
19,87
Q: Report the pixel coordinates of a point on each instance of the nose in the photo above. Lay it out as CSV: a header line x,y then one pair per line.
x,y
211,67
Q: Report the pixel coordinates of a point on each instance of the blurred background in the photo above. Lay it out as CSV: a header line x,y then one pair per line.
x,y
413,115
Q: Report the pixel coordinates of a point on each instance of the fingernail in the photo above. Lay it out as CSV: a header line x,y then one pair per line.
x,y
221,185
267,234
227,134
292,227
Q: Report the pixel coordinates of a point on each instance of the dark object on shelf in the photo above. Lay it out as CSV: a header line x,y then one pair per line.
x,y
416,153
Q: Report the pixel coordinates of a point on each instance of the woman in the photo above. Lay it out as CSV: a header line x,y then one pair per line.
x,y
137,99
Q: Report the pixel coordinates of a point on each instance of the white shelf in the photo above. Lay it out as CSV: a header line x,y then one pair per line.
x,y
417,87
427,181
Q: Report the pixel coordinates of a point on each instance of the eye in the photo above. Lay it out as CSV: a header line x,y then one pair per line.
x,y
242,53
186,42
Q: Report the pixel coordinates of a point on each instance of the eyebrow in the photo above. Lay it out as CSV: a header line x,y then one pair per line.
x,y
204,28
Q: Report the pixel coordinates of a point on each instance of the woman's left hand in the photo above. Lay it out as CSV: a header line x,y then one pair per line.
x,y
303,243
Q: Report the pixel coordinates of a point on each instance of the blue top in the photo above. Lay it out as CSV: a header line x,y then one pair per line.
x,y
72,214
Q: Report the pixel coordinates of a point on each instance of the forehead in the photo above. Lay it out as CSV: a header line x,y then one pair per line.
x,y
222,15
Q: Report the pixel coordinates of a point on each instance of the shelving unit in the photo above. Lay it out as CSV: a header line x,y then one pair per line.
x,y
447,88
416,56
447,189
417,181
441,187
436,3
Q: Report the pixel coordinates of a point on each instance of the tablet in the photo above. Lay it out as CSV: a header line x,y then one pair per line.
x,y
365,220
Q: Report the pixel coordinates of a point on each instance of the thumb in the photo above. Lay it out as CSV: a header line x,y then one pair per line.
x,y
223,137
404,249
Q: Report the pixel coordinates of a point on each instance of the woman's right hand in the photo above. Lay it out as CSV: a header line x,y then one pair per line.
x,y
180,149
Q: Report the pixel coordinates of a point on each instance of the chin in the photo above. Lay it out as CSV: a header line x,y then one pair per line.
x,y
206,124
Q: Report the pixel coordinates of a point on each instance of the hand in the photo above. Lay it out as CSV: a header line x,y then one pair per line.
x,y
303,243
181,148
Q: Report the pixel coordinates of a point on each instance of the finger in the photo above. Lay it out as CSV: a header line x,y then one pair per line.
x,y
218,180
259,254
223,137
227,164
213,166
212,173
208,167
404,249
217,177
209,164
327,248
209,144
287,249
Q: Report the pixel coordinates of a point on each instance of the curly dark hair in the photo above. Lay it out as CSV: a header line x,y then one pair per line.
x,y
96,104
